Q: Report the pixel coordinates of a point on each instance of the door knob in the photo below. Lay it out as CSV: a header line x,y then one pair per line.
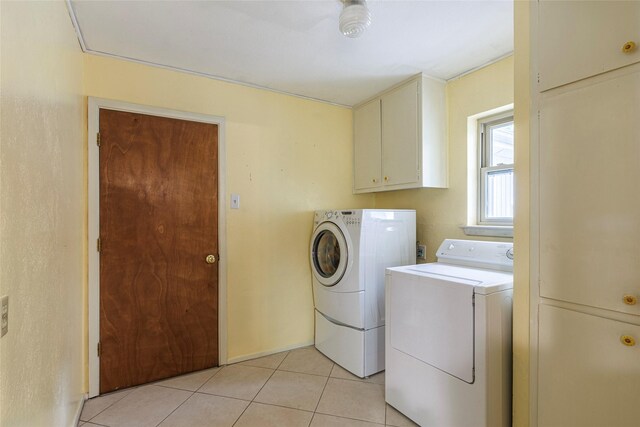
x,y
210,259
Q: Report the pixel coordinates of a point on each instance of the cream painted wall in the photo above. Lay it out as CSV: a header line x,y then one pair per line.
x,y
521,306
286,157
441,212
42,204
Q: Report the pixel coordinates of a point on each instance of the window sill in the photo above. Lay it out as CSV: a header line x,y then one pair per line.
x,y
488,230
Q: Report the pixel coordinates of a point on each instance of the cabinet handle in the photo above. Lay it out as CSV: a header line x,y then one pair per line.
x,y
630,299
628,340
629,47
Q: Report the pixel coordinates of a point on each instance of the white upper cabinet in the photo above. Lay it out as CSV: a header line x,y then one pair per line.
x,y
579,39
367,148
400,138
400,148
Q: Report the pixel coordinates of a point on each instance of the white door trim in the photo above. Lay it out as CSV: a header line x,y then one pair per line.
x,y
93,190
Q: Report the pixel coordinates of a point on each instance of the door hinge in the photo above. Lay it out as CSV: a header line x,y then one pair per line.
x,y
99,244
99,350
473,300
98,139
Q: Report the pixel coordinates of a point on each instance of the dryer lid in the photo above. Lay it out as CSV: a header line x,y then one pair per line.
x,y
482,281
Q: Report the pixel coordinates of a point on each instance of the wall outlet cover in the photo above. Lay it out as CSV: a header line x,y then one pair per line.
x,y
421,251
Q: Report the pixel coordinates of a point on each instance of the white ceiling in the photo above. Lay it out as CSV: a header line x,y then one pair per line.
x,y
295,46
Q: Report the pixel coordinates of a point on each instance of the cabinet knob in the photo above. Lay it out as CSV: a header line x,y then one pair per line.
x,y
629,47
628,340
386,178
374,180
630,299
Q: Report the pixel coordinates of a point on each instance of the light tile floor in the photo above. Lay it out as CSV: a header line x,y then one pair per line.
x,y
290,389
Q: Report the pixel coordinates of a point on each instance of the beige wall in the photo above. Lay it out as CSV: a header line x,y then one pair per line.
x,y
286,157
441,212
42,205
522,220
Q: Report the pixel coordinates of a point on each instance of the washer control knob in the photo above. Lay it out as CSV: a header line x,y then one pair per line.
x,y
451,246
329,214
510,253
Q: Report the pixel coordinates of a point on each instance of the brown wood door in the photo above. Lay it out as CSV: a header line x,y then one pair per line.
x,y
158,223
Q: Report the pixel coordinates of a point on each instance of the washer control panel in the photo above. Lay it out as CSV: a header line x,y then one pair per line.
x,y
348,217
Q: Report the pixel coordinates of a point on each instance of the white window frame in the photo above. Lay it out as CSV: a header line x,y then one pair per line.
x,y
484,153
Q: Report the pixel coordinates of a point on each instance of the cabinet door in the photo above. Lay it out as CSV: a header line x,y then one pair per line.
x,y
579,39
587,376
366,146
400,136
589,200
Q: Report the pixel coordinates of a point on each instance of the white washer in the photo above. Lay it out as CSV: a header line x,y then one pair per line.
x,y
448,341
350,250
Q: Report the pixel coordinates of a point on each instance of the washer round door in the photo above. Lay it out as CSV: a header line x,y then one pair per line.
x,y
329,254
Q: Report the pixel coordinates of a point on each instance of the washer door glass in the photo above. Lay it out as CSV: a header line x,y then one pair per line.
x,y
328,254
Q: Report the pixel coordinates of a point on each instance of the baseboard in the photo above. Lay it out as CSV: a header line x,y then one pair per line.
x,y
79,409
268,353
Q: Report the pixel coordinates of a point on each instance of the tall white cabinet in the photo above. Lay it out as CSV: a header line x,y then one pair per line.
x,y
586,242
400,138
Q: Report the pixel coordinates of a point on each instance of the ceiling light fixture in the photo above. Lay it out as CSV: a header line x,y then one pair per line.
x,y
354,18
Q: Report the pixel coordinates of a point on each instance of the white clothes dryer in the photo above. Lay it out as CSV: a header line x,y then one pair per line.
x,y
350,250
448,341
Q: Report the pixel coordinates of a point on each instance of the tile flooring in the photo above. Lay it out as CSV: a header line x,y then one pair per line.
x,y
290,389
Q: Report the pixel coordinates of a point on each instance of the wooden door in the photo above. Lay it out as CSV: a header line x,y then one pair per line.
x,y
158,224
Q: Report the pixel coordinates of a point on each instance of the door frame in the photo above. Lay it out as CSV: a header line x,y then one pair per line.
x,y
93,224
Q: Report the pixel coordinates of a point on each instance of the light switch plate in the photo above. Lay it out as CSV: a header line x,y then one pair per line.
x,y
4,311
235,201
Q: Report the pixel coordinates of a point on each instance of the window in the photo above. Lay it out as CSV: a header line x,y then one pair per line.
x,y
496,170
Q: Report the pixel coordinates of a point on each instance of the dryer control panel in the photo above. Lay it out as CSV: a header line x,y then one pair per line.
x,y
475,253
